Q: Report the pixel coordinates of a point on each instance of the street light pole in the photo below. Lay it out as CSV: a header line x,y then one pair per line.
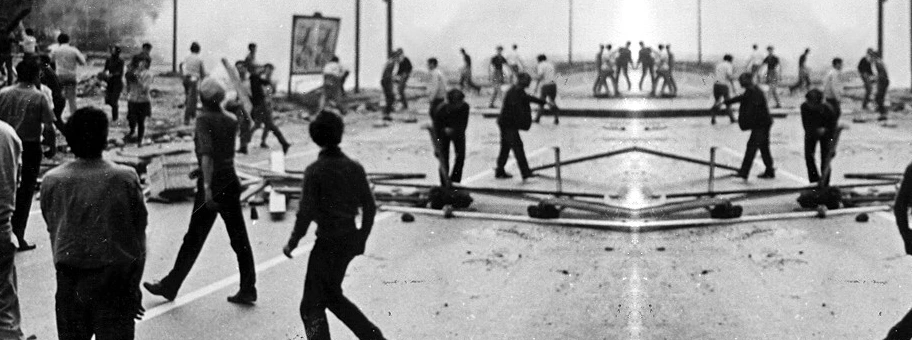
x,y
880,20
174,42
389,27
357,46
699,31
570,34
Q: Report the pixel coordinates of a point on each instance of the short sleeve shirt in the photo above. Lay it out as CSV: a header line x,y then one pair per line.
x,y
25,108
215,136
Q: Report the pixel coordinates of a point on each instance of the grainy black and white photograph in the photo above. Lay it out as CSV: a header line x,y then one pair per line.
x,y
455,169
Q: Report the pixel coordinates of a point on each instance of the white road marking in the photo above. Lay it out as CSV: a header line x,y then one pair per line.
x,y
263,266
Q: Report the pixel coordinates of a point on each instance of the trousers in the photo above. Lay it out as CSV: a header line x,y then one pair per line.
x,y
98,301
10,316
811,140
458,139
510,140
31,164
759,140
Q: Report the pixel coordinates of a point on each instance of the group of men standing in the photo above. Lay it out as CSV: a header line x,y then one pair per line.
x,y
657,65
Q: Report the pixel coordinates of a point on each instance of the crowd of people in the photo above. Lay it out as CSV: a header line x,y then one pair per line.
x,y
658,65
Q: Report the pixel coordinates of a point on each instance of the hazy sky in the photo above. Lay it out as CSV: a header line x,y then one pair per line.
x,y
426,28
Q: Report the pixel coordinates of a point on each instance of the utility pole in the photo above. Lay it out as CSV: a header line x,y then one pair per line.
x,y
389,27
699,31
880,20
570,34
357,46
174,42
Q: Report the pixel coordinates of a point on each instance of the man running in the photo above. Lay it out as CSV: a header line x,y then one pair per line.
x,y
753,115
623,62
773,68
804,75
547,81
465,78
496,73
647,60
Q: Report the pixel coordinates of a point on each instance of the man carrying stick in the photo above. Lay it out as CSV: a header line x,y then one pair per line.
x,y
753,115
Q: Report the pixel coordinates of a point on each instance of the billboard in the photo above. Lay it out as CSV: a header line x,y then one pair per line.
x,y
313,43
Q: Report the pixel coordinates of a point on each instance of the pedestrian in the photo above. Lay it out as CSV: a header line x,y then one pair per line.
x,y
866,71
725,82
819,119
647,60
192,71
546,80
218,192
465,78
661,62
334,187
96,216
451,120
403,72
496,74
333,80
113,75
24,108
515,62
600,73
832,86
386,82
7,43
67,59
49,78
515,115
437,87
623,62
612,74
804,74
236,107
773,68
672,84
250,60
146,53
262,89
139,98
754,62
901,212
10,154
883,84
29,44
753,115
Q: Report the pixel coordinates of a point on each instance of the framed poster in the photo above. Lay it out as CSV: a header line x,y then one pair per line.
x,y
313,43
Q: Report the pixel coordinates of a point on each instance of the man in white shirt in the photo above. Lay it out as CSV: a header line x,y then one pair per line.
x,y
661,59
832,86
547,81
725,82
515,62
333,80
755,61
193,72
613,73
68,59
437,87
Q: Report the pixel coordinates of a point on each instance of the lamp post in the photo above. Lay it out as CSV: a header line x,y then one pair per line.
x,y
880,20
357,46
570,33
699,31
389,27
174,42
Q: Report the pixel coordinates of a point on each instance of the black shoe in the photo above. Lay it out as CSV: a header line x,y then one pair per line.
x,y
768,174
528,176
285,148
242,150
243,298
742,175
264,145
25,246
157,288
882,118
502,174
388,118
712,122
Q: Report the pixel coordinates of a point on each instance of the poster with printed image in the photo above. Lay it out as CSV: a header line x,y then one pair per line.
x,y
313,43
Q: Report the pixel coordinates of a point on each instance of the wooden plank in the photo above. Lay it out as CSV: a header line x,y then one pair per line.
x,y
502,191
605,209
278,203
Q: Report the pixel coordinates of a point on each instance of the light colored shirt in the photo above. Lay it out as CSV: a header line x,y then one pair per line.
x,y
437,87
725,73
95,213
49,95
29,44
334,69
193,67
545,73
832,85
139,90
756,58
513,59
662,60
67,58
10,158
25,109
610,60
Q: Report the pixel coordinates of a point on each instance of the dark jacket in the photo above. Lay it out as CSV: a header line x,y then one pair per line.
x,y
405,67
818,115
864,66
454,116
753,112
115,68
516,113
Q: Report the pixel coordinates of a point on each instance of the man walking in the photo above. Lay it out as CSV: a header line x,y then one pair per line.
x,y
515,115
546,78
772,74
217,193
68,59
725,82
623,62
192,71
832,86
753,115
820,121
386,82
496,73
450,123
866,71
403,72
646,59
113,75
99,248
883,84
334,187
804,75
465,78
10,154
27,110
437,87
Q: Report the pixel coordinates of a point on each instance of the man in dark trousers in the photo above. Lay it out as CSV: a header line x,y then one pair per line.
x,y
753,115
99,249
465,78
24,108
113,75
901,210
49,79
648,62
403,72
624,59
386,82
819,120
867,77
335,186
218,192
496,74
515,115
883,84
450,122
804,75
